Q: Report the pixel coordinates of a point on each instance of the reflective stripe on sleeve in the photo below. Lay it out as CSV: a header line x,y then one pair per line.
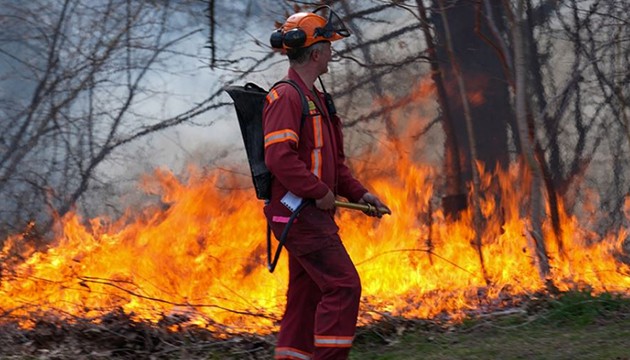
x,y
333,341
291,353
280,136
272,96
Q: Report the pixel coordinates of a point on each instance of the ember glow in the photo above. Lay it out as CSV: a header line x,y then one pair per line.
x,y
200,258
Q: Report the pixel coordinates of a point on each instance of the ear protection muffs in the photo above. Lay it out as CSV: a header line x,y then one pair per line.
x,y
293,38
276,39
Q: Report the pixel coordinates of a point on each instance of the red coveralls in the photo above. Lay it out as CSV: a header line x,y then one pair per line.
x,y
324,287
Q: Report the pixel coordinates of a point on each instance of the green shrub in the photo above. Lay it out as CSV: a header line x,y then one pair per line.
x,y
583,308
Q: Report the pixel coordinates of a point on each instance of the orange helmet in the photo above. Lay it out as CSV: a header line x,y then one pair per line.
x,y
306,28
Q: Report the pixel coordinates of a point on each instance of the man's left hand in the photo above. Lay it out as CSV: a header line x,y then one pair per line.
x,y
369,198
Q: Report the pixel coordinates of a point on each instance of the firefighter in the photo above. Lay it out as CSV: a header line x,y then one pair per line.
x,y
306,159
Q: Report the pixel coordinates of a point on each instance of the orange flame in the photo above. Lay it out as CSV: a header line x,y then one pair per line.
x,y
200,257
203,258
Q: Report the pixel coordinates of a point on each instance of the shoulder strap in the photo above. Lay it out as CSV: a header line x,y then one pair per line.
x,y
305,110
271,263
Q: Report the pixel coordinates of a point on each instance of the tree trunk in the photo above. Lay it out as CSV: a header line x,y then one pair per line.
x,y
454,199
461,87
487,86
536,201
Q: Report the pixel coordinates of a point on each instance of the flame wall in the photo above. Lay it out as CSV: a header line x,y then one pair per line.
x,y
201,257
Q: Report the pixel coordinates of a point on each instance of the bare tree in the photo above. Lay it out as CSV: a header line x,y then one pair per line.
x,y
526,141
578,105
76,82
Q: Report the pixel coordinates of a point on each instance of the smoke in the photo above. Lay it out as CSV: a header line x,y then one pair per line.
x,y
183,79
211,140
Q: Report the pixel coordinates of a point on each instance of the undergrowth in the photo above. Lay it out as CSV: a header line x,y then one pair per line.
x,y
580,308
571,325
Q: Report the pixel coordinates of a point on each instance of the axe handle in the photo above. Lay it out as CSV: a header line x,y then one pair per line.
x,y
362,207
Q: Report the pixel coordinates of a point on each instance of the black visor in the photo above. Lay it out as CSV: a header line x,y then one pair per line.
x,y
334,25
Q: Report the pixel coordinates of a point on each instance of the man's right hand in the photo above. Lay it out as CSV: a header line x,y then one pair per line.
x,y
327,202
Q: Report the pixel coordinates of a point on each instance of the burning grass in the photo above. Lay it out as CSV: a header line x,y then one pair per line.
x,y
198,259
577,325
118,335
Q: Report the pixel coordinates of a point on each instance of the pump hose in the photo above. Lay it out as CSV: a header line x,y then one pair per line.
x,y
271,265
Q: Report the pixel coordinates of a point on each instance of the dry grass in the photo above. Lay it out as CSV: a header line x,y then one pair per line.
x,y
574,326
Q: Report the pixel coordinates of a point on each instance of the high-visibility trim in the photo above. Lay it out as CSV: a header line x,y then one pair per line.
x,y
318,140
333,341
317,131
312,108
280,136
272,96
316,162
282,219
291,353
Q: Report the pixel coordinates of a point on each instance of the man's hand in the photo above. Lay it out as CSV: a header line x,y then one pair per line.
x,y
327,202
371,199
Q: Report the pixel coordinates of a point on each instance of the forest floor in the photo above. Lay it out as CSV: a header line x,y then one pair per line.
x,y
576,325
505,338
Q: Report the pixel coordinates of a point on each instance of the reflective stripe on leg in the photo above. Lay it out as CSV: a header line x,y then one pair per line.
x,y
291,353
333,341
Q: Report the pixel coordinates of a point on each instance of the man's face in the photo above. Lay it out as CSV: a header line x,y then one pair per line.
x,y
325,55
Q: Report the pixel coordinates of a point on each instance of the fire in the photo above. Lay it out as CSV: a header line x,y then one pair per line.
x,y
199,258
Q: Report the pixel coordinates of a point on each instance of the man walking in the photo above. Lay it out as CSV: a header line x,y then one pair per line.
x,y
306,158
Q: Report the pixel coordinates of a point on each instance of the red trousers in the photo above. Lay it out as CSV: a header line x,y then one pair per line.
x,y
322,299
